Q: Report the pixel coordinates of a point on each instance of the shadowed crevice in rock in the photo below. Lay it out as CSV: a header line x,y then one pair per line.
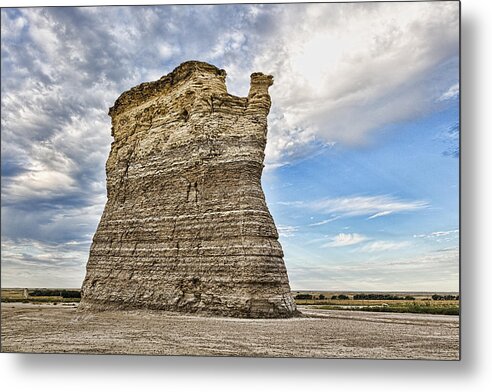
x,y
186,226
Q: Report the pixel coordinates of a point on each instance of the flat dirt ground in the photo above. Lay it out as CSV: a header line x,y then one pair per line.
x,y
319,334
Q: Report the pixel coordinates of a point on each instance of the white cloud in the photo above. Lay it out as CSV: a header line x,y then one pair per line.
x,y
325,221
43,34
384,246
433,271
345,239
231,41
11,27
343,71
166,50
31,263
41,183
440,236
437,234
295,203
451,93
374,206
287,231
382,213
443,233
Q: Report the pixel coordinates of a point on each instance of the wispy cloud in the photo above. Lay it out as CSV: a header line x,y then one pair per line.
x,y
384,246
287,231
372,206
368,245
294,203
437,234
440,236
451,138
345,239
432,271
382,213
325,221
451,93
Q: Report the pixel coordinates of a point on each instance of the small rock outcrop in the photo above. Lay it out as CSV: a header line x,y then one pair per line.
x,y
186,226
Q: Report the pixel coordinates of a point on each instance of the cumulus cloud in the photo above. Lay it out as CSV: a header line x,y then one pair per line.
x,y
350,69
62,68
342,71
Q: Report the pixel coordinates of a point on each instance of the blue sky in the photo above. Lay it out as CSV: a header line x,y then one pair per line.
x,y
361,170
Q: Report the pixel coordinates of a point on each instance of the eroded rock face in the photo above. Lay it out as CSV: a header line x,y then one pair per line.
x,y
186,227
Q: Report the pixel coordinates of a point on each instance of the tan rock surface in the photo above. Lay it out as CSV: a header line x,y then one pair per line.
x,y
186,226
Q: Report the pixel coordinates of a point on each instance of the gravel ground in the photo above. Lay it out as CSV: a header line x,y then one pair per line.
x,y
319,334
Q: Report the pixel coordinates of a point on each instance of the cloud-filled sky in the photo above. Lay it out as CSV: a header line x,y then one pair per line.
x,y
362,163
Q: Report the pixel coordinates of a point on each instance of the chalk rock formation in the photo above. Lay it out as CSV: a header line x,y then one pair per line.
x,y
186,227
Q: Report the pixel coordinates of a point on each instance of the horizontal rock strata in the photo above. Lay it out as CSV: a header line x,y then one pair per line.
x,y
186,227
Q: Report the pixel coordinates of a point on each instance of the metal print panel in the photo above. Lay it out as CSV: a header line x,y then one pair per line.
x,y
268,180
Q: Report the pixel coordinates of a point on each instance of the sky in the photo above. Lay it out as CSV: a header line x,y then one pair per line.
x,y
362,160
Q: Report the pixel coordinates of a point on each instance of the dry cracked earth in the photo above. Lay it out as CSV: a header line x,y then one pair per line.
x,y
318,334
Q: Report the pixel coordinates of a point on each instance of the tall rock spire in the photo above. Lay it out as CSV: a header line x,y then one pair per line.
x,y
186,226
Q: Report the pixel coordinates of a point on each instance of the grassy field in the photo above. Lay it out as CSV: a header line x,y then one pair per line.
x,y
19,295
400,302
433,307
420,302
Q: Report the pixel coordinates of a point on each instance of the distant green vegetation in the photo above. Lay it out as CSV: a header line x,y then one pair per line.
x,y
55,293
437,297
41,300
341,296
369,302
40,295
410,307
303,296
384,297
395,302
